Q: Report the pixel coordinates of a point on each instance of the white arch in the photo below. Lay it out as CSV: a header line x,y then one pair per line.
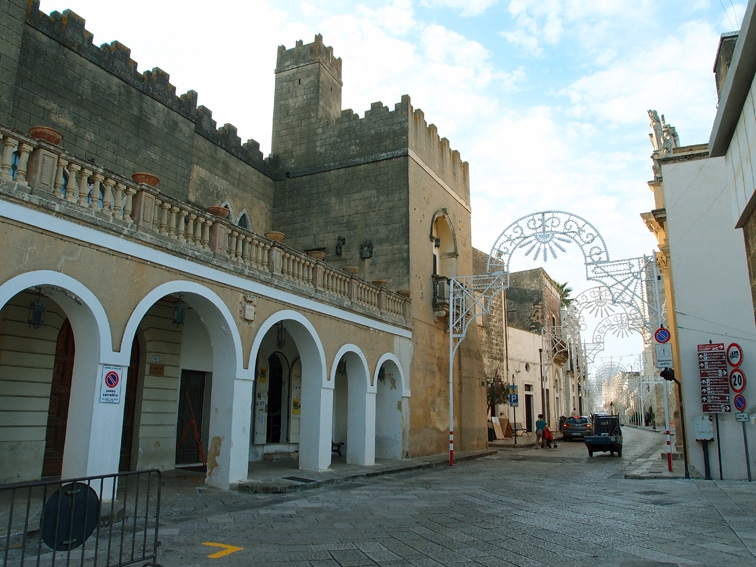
x,y
213,311
93,430
545,233
93,311
393,358
392,411
317,390
360,443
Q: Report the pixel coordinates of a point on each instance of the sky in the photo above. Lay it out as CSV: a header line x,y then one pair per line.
x,y
546,99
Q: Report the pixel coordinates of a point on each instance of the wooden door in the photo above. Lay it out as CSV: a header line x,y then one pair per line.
x,y
60,394
127,433
191,398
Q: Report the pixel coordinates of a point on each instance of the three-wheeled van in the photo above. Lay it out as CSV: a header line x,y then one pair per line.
x,y
607,435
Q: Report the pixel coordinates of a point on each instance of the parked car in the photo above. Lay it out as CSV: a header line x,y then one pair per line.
x,y
576,428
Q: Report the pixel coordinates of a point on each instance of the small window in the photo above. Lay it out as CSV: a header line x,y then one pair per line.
x,y
244,221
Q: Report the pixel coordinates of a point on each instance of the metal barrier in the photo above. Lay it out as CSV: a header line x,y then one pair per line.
x,y
108,520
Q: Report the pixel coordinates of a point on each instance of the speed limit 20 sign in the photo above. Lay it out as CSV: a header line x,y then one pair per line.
x,y
737,380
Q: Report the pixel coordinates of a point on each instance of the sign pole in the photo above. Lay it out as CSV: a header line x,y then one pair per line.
x,y
666,427
745,444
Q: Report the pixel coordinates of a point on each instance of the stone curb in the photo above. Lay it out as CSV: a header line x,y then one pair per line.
x,y
283,486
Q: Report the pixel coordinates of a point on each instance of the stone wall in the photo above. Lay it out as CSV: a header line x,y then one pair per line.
x,y
113,114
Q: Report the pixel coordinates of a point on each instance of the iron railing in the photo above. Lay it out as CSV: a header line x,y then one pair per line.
x,y
96,521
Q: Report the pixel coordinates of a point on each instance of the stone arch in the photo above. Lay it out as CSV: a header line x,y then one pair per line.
x,y
443,239
317,387
392,408
89,423
231,386
360,405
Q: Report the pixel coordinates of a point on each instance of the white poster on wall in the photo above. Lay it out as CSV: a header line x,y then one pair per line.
x,y
110,384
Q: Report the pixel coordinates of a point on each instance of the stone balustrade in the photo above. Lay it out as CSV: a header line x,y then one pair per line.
x,y
45,170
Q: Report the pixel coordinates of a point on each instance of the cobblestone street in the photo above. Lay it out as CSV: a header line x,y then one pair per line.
x,y
518,507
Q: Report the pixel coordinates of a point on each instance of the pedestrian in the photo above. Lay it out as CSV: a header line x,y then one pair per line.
x,y
575,413
540,425
647,418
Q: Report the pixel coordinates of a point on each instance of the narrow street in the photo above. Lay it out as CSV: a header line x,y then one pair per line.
x,y
521,507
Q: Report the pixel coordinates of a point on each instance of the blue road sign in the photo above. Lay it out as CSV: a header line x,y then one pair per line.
x,y
513,400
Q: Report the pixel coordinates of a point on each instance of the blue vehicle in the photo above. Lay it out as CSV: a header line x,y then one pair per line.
x,y
607,435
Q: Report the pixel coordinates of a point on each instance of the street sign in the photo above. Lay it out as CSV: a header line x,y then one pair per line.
x,y
715,386
737,380
734,354
712,373
743,417
662,335
513,400
739,401
716,408
110,385
664,356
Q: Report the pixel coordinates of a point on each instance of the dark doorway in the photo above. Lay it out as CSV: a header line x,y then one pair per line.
x,y
127,433
60,394
275,391
529,412
191,397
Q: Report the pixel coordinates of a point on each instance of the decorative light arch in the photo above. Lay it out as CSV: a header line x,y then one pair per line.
x,y
631,282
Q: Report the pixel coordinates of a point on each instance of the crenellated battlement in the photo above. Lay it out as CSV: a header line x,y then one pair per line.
x,y
69,29
301,54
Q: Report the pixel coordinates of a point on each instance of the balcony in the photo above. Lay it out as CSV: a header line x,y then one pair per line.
x,y
41,175
440,296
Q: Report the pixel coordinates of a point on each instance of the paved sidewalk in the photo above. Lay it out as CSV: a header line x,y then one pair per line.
x,y
282,477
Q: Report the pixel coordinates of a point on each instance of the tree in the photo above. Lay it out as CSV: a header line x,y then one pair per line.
x,y
564,294
497,392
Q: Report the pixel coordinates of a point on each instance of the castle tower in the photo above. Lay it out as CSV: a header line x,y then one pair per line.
x,y
308,91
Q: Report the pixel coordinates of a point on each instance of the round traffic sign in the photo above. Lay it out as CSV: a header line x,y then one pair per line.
x,y
737,380
734,355
111,379
661,335
739,401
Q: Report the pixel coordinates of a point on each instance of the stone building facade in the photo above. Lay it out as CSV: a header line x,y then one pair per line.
x,y
184,293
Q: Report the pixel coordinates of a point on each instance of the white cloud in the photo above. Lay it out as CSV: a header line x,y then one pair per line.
x,y
464,7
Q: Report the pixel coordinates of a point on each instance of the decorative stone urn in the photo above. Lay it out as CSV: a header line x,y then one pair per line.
x,y
404,292
146,178
46,133
275,236
218,211
351,270
317,254
380,283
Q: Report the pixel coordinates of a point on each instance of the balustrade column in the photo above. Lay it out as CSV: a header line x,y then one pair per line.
x,y
232,247
172,221
164,217
181,227
9,145
206,234
58,185
97,179
190,228
84,186
72,189
107,196
24,150
130,192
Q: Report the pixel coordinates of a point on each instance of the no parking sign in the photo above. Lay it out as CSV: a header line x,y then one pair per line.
x,y
110,385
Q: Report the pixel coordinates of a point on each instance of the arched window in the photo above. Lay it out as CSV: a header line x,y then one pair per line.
x,y
244,221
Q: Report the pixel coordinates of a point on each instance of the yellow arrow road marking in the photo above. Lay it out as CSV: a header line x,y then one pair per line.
x,y
227,549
